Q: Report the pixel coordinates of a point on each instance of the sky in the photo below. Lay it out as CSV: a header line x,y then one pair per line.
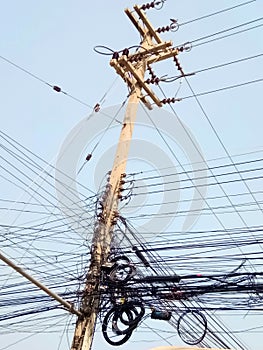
x,y
52,43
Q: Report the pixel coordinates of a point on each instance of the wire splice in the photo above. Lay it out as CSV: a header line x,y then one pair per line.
x,y
56,88
88,157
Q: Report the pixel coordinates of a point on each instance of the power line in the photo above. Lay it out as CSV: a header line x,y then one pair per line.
x,y
221,166
228,35
198,162
193,185
172,79
57,88
221,89
228,63
224,31
201,185
217,12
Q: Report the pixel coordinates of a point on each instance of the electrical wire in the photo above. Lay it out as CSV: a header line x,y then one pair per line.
x,y
225,31
217,12
172,79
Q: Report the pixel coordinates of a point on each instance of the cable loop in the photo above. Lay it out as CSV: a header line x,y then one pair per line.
x,y
184,328
107,51
98,47
121,320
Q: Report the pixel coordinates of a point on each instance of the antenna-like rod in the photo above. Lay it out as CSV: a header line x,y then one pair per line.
x,y
41,286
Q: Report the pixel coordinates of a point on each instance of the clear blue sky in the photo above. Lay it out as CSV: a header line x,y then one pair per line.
x,y
55,40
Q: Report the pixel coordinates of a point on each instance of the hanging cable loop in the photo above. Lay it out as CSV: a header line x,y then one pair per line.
x,y
184,328
121,320
109,332
103,50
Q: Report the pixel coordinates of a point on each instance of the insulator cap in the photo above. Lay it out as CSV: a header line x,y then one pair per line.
x,y
115,56
125,52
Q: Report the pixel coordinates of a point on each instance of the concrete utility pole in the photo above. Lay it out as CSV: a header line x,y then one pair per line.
x,y
132,68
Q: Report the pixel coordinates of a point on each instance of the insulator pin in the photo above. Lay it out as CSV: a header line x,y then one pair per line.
x,y
163,29
169,100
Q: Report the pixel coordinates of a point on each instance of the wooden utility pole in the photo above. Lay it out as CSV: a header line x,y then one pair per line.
x,y
132,68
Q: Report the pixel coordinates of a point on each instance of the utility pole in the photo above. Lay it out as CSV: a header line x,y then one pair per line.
x,y
132,68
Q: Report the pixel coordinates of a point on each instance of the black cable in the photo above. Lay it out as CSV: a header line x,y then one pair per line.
x,y
216,216
201,185
195,178
200,162
224,148
15,144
